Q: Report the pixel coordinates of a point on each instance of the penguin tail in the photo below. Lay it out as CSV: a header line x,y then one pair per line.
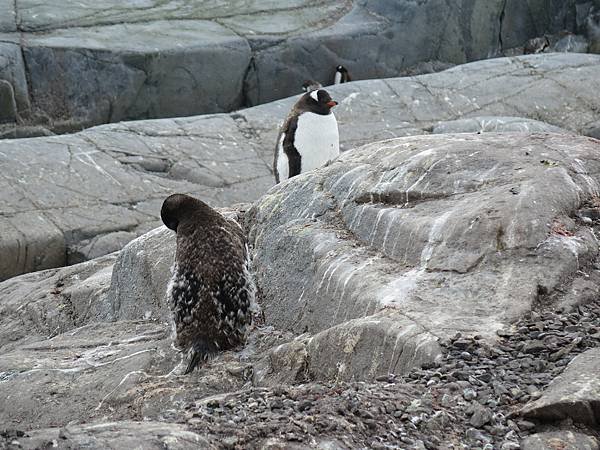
x,y
200,351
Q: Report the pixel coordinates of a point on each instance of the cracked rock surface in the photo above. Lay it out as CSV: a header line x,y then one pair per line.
x,y
369,339
438,234
64,199
75,64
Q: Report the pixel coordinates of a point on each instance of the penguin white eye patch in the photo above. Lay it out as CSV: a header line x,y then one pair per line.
x,y
314,95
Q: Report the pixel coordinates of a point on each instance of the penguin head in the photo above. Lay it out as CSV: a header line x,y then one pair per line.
x,y
341,69
319,101
178,208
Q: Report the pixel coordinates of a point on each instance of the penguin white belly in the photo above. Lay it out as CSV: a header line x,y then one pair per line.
x,y
283,165
317,140
338,77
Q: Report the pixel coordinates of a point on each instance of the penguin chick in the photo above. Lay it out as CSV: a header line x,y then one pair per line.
x,y
309,137
211,291
311,85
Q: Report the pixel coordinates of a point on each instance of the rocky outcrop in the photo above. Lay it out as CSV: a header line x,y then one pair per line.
x,y
437,234
90,192
562,440
348,294
575,394
147,435
90,64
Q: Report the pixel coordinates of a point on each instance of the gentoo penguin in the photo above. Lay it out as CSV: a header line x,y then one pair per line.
x,y
211,291
536,45
311,85
308,138
341,75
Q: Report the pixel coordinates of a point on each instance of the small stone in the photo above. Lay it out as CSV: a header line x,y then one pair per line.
x,y
504,333
446,401
469,394
485,377
276,404
509,445
525,425
462,344
229,442
476,435
304,405
481,416
534,346
466,356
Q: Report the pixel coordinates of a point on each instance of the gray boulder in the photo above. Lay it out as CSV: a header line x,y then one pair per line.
x,y
575,394
124,434
593,131
591,25
135,71
8,107
43,304
12,70
563,440
436,234
571,43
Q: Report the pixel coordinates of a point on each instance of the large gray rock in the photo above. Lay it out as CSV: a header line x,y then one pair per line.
x,y
135,71
43,304
124,434
575,394
403,242
563,440
13,71
8,107
91,186
89,63
591,25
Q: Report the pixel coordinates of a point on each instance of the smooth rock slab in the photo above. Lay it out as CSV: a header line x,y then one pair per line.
x,y
574,394
124,434
452,233
43,304
563,440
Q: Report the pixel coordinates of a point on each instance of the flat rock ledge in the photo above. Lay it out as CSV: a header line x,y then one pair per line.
x,y
560,440
437,234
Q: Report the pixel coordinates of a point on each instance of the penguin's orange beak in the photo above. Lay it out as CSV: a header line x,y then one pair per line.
x,y
332,103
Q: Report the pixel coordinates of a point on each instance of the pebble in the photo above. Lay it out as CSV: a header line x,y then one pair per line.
x,y
481,415
469,394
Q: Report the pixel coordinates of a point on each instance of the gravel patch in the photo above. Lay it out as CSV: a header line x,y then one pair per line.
x,y
470,400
